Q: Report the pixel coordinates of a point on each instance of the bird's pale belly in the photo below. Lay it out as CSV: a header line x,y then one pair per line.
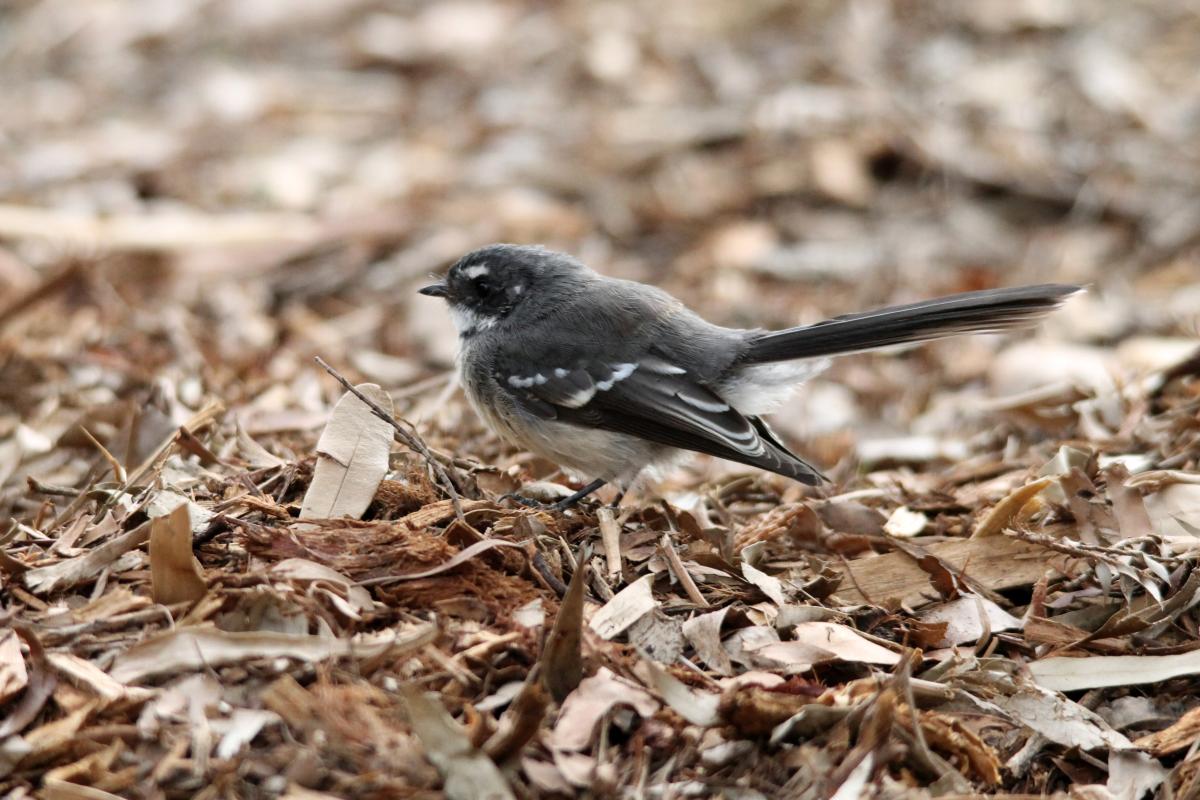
x,y
587,452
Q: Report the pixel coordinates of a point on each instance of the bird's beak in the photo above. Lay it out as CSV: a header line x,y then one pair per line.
x,y
435,290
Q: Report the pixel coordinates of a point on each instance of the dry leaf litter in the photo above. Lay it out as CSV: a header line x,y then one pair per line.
x,y
223,576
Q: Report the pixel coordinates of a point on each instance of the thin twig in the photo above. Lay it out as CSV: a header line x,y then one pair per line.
x,y
118,471
409,439
685,579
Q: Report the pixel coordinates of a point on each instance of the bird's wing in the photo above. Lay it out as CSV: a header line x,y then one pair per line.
x,y
652,399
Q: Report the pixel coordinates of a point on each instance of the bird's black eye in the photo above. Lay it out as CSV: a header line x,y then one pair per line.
x,y
483,287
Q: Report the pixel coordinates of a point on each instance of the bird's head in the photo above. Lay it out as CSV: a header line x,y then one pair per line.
x,y
494,283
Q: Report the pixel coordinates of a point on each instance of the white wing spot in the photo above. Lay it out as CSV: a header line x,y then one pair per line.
x,y
703,405
661,367
620,372
579,398
518,382
559,372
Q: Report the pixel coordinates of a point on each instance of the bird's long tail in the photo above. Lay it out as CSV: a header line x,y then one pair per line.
x,y
988,311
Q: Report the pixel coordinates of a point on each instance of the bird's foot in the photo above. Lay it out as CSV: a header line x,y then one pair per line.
x,y
560,505
527,502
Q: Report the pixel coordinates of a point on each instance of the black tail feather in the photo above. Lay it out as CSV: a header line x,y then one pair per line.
x,y
988,311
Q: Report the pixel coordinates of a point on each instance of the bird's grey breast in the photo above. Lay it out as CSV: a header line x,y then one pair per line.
x,y
476,367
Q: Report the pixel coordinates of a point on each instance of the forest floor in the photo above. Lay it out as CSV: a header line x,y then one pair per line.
x,y
996,593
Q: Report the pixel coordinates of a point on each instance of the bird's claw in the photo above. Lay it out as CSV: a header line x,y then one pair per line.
x,y
529,502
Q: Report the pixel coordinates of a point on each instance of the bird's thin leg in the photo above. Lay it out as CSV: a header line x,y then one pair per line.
x,y
616,503
571,500
565,503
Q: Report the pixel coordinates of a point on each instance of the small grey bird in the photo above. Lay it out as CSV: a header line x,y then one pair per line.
x,y
610,377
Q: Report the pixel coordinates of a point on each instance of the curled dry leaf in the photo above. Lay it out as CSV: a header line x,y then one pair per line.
x,y
791,656
521,723
467,772
165,503
904,522
352,457
658,635
13,675
204,647
40,686
73,571
240,729
459,558
1071,674
584,707
1061,720
175,574
703,632
254,454
1175,509
826,641
769,585
698,708
1128,506
301,570
626,608
88,677
1131,775
562,659
963,619
1003,513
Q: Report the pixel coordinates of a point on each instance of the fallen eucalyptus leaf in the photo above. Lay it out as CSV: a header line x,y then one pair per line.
x,y
1061,720
352,457
698,708
175,574
1095,672
468,773
202,647
962,618
584,707
624,609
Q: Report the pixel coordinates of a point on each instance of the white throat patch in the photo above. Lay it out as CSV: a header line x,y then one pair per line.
x,y
468,322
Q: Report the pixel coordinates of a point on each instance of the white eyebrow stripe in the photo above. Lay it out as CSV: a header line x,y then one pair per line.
x,y
477,270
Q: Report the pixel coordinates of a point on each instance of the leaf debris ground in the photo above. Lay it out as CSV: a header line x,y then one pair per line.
x,y
996,594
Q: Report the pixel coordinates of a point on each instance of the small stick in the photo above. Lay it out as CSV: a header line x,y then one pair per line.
x,y
409,439
610,536
676,563
117,470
